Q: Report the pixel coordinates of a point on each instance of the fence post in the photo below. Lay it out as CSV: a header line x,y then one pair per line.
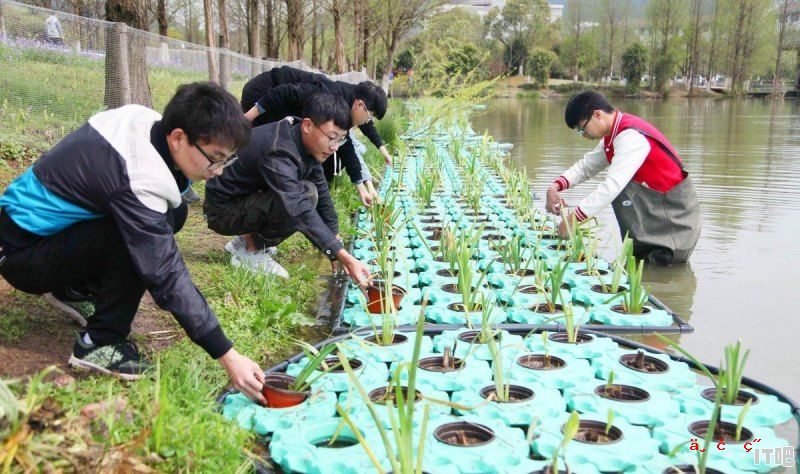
x,y
118,85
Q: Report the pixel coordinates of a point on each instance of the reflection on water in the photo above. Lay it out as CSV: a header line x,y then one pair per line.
x,y
744,158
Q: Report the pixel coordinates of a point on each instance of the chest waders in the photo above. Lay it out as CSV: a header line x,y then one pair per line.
x,y
664,226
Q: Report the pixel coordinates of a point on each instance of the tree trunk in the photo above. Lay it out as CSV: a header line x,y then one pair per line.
x,y
270,23
366,46
253,29
338,37
736,76
294,20
190,23
161,17
2,23
797,83
213,69
133,14
712,47
390,56
358,30
224,46
783,18
314,31
694,49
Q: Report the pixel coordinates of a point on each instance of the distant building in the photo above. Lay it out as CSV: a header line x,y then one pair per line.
x,y
482,7
794,15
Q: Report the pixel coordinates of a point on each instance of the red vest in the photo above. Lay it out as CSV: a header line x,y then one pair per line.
x,y
663,169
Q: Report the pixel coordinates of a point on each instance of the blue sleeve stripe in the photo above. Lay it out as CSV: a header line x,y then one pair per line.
x,y
37,210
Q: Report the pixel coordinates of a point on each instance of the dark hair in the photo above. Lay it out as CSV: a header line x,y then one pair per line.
x,y
206,111
582,105
374,98
323,107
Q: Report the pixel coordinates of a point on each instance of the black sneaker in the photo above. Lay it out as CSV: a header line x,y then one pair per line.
x,y
121,359
76,305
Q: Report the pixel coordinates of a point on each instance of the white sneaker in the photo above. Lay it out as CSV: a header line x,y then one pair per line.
x,y
238,244
259,262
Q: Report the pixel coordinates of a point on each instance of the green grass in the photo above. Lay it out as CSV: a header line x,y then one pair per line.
x,y
171,421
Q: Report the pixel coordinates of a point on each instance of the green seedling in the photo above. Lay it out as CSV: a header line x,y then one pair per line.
x,y
404,456
570,430
732,371
635,297
501,386
741,417
316,362
426,185
609,420
515,255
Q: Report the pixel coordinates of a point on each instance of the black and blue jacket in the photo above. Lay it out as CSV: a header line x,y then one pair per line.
x,y
118,165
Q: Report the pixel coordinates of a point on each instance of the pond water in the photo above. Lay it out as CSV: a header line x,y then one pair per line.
x,y
744,157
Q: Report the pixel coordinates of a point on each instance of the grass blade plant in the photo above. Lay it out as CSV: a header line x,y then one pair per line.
x,y
404,456
316,362
427,183
515,254
635,297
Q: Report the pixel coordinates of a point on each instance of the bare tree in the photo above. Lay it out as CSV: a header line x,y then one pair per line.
x,y
134,14
314,34
575,26
253,29
294,22
694,41
783,20
213,69
713,47
270,43
394,19
610,13
337,9
358,31
161,18
224,45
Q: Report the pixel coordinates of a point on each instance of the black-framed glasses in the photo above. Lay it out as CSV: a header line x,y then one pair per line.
x,y
332,141
214,164
371,118
582,130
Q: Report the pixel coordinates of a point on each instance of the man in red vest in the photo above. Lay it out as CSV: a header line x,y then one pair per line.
x,y
647,185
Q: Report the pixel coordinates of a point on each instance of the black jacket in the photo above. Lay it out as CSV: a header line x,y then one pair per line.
x,y
276,162
118,166
281,92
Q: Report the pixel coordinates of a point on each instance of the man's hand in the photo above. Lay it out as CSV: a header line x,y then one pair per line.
x,y
364,194
353,267
386,155
245,375
372,192
554,201
252,113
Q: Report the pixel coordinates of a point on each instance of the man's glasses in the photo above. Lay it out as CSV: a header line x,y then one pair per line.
x,y
367,111
582,130
332,141
214,164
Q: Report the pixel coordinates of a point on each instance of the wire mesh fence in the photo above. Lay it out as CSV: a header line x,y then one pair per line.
x,y
57,69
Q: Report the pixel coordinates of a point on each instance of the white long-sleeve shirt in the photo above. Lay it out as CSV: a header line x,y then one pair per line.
x,y
630,150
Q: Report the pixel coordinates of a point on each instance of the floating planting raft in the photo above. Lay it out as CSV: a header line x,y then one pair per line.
x,y
642,419
471,353
458,227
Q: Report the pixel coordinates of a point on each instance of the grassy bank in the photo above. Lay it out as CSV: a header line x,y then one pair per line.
x,y
167,422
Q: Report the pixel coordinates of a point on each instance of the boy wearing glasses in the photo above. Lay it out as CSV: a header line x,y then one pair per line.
x,y
277,187
653,198
95,217
281,92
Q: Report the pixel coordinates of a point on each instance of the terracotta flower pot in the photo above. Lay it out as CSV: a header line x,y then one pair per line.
x,y
376,294
276,391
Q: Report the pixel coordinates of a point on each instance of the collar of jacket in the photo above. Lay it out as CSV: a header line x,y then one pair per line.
x,y
297,137
158,138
